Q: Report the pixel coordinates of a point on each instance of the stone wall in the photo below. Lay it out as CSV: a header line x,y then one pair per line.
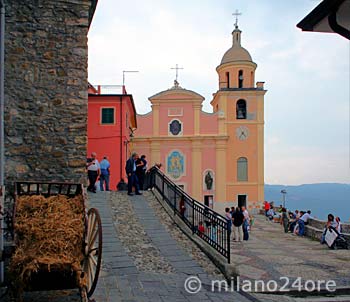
x,y
315,229
46,89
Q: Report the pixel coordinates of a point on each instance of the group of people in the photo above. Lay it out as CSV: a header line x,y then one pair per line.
x,y
98,171
238,219
293,222
296,221
135,169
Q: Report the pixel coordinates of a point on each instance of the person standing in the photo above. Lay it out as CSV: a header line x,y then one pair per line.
x,y
143,172
130,169
238,218
229,220
266,207
246,223
285,220
105,172
141,166
93,168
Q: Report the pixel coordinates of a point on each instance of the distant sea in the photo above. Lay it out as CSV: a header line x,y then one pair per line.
x,y
321,199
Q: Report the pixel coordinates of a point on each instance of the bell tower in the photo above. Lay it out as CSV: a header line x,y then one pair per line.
x,y
239,104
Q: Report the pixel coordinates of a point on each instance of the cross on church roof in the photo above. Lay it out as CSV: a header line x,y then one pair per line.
x,y
236,13
177,73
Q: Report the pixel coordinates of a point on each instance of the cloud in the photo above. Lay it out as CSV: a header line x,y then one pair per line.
x,y
306,74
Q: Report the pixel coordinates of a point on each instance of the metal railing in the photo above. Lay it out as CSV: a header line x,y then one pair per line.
x,y
108,89
202,220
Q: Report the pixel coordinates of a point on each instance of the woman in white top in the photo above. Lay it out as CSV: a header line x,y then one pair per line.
x,y
338,227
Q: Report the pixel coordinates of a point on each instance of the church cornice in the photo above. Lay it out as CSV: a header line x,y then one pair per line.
x,y
176,100
189,138
242,89
237,64
238,92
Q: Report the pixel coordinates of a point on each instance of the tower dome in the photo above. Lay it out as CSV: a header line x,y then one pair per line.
x,y
237,69
236,52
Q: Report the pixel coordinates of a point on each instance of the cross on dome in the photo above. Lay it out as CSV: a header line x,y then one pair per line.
x,y
236,13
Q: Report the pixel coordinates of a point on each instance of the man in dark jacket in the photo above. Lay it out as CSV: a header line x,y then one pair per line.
x,y
238,218
130,169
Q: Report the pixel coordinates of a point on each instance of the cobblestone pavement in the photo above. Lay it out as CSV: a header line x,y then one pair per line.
x,y
270,254
147,258
156,272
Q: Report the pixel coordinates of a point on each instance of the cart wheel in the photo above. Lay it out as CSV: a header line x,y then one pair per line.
x,y
93,250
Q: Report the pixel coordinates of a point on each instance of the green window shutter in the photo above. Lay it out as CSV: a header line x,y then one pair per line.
x,y
107,116
242,169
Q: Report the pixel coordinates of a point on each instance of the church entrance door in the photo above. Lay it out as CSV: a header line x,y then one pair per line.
x,y
208,201
242,201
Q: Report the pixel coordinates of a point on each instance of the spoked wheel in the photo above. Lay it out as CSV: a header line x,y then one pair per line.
x,y
93,250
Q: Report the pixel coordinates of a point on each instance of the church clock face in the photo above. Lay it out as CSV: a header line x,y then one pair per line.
x,y
175,127
242,133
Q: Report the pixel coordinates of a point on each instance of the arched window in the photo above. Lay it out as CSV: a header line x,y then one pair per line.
x,y
240,79
242,169
241,109
228,79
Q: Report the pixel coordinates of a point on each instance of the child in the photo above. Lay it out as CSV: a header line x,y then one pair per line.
x,y
201,229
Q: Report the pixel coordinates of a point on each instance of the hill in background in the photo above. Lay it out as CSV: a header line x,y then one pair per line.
x,y
321,199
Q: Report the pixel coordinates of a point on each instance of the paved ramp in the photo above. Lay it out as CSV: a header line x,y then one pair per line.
x,y
156,274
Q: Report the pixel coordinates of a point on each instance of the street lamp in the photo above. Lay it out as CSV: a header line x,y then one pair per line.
x,y
284,192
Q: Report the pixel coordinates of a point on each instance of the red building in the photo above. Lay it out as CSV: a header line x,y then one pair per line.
x,y
111,122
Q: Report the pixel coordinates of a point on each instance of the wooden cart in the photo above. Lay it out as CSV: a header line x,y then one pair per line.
x,y
92,240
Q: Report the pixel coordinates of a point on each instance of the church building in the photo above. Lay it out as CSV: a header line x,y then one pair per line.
x,y
217,158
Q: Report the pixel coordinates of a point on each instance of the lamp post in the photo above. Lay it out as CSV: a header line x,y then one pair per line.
x,y
284,192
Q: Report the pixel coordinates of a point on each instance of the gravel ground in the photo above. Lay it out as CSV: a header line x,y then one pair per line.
x,y
135,240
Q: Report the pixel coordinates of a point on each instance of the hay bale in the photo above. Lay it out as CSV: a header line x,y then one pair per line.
x,y
49,235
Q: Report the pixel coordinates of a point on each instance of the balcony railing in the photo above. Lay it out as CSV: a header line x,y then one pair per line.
x,y
107,89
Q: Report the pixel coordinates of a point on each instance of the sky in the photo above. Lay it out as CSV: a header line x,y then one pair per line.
x,y
306,74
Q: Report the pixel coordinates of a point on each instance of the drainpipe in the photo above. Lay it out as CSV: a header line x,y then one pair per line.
x,y
2,143
121,137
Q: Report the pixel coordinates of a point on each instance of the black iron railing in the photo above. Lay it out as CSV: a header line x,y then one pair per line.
x,y
202,220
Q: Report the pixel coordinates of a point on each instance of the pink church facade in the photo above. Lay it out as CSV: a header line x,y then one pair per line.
x,y
174,134
218,158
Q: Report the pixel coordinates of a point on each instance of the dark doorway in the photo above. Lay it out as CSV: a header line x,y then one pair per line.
x,y
208,201
242,201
